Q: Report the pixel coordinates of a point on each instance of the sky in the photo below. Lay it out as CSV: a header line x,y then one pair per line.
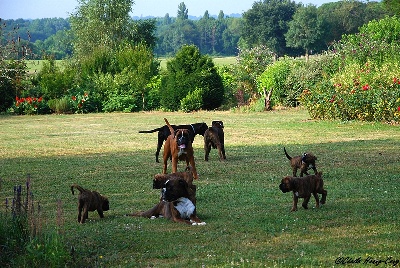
x,y
37,9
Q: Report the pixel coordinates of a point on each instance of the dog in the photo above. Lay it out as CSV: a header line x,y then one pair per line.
x,y
303,187
164,132
214,137
90,201
303,162
178,146
160,179
175,204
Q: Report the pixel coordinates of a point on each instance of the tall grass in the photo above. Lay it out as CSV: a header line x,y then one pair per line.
x,y
249,223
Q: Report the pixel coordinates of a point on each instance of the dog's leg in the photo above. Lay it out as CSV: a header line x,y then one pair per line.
x,y
195,175
207,149
159,145
295,200
85,213
315,194
305,202
324,194
100,212
80,208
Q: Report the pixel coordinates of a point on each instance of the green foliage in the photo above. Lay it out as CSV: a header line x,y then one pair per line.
x,y
188,71
100,23
305,29
266,23
274,78
250,64
365,87
193,101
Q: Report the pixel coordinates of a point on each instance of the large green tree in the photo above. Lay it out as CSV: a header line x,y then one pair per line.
x,y
305,29
266,24
100,23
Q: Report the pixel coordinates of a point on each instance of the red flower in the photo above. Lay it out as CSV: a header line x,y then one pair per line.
x,y
395,80
73,98
333,99
398,108
365,87
40,99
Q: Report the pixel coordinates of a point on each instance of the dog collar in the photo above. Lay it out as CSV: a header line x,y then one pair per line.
x,y
193,129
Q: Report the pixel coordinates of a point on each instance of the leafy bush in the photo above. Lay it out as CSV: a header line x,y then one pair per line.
x,y
274,78
193,101
366,86
188,71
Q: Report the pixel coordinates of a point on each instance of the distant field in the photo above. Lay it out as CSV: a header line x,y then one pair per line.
x,y
219,61
36,65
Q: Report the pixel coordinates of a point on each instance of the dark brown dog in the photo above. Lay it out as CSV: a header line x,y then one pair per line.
x,y
303,187
160,180
164,132
175,204
214,137
178,146
303,162
90,201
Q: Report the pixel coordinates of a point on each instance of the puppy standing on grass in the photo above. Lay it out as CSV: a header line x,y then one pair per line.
x,y
89,201
303,162
214,137
303,188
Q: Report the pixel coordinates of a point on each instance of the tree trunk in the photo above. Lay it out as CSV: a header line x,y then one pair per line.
x,y
267,100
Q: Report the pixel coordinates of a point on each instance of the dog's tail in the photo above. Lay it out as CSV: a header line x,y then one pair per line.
x,y
169,126
287,155
150,131
77,187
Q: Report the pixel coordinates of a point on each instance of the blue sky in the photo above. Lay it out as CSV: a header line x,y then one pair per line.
x,y
33,9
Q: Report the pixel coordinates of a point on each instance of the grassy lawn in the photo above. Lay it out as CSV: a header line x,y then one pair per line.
x,y
249,223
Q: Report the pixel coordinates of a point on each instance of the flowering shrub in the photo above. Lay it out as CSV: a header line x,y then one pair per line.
x,y
28,105
79,103
359,92
366,86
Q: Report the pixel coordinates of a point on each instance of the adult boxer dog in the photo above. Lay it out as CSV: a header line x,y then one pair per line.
x,y
214,137
90,201
303,162
178,146
160,179
164,132
303,187
176,204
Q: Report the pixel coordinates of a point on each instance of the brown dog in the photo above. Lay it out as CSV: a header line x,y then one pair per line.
x,y
303,162
175,204
303,188
90,201
164,132
160,180
214,137
178,146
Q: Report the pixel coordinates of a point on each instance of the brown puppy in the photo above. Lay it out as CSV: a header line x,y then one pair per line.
x,y
214,137
303,162
303,188
89,201
164,132
178,146
175,204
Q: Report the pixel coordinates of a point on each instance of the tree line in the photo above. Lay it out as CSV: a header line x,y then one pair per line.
x,y
114,66
280,25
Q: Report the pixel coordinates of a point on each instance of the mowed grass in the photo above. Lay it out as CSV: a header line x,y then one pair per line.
x,y
36,65
249,223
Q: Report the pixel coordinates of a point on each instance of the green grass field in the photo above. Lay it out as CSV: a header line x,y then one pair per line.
x,y
36,65
249,223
